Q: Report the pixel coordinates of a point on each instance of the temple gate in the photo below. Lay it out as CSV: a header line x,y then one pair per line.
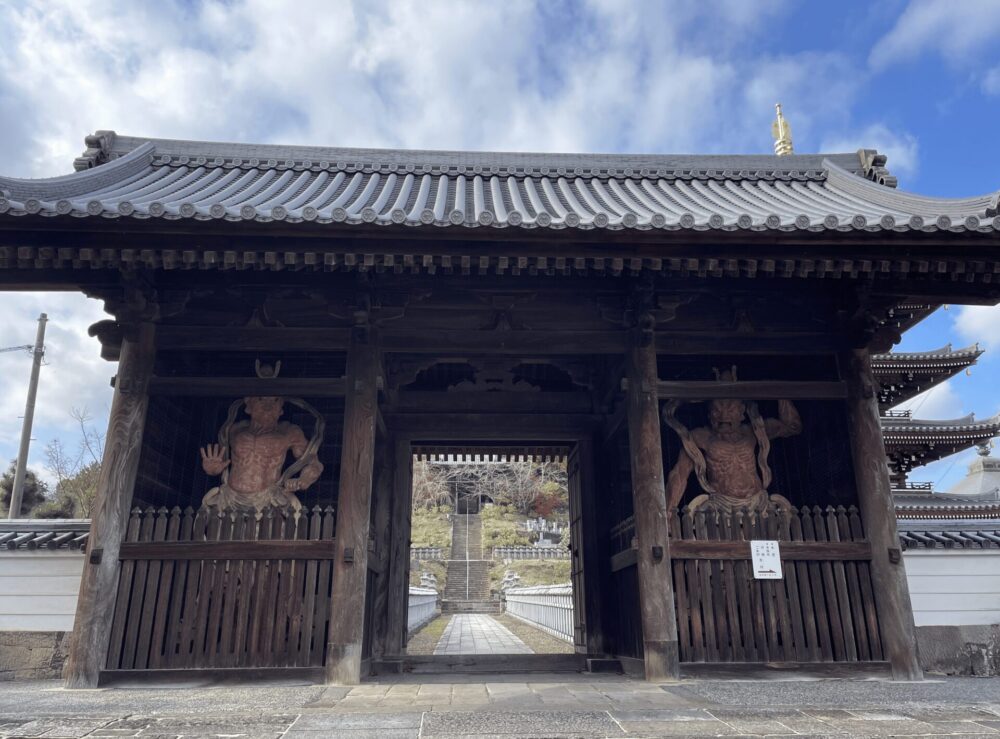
x,y
292,325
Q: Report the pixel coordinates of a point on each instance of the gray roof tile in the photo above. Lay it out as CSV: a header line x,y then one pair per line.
x,y
44,534
152,178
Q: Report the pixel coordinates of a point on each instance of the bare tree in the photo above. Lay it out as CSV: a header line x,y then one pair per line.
x,y
77,473
430,485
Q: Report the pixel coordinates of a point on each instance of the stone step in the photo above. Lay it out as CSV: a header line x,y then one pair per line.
x,y
457,605
483,663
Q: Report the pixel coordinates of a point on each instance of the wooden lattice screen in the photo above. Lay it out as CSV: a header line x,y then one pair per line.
x,y
200,589
823,610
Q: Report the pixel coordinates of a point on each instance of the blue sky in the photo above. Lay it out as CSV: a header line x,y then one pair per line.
x,y
917,79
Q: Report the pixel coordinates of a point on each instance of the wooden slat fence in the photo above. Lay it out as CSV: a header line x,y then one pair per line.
x,y
823,610
200,589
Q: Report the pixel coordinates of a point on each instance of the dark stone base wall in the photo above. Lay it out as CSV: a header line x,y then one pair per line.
x,y
947,650
26,655
960,650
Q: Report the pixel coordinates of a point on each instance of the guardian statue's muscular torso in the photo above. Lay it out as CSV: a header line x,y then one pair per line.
x,y
258,448
730,455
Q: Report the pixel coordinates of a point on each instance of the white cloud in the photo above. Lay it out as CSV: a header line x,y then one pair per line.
x,y
649,75
956,31
978,323
73,375
901,148
642,76
940,402
991,81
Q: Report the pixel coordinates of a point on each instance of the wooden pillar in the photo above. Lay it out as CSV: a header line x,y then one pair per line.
x,y
892,597
656,592
399,550
585,547
350,566
381,522
122,445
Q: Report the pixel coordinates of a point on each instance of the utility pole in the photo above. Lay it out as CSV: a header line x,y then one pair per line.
x,y
38,351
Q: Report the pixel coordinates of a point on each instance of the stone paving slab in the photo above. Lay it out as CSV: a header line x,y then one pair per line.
x,y
508,706
478,633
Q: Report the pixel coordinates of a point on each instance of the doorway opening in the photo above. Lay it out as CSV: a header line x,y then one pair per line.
x,y
490,559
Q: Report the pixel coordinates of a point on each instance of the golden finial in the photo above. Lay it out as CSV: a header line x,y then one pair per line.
x,y
782,133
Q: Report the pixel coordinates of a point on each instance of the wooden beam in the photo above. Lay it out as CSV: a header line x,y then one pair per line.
x,y
232,550
122,445
210,338
740,550
656,593
752,390
878,514
503,342
215,387
487,402
789,550
469,427
622,560
350,567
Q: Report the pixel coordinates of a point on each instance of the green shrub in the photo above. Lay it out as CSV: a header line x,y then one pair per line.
x,y
502,527
430,527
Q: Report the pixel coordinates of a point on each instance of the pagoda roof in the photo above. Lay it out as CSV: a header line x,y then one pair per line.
x,y
903,427
903,375
943,357
913,442
126,177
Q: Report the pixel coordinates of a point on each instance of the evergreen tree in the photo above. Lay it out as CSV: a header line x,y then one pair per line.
x,y
35,491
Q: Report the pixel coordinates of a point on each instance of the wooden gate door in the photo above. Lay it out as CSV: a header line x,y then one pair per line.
x,y
576,549
200,589
822,610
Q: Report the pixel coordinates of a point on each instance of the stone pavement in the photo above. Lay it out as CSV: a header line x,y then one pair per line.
x,y
419,707
477,633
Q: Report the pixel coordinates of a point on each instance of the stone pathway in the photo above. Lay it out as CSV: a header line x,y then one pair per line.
x,y
477,633
558,706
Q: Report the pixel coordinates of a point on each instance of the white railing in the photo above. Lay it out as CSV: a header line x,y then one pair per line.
x,y
422,607
546,607
425,553
530,553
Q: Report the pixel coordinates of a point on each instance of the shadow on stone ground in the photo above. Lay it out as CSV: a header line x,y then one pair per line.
x,y
508,706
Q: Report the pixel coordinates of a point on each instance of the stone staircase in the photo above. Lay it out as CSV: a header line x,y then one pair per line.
x,y
468,586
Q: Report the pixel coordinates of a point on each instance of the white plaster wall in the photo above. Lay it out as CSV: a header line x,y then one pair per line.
x,y
954,587
38,590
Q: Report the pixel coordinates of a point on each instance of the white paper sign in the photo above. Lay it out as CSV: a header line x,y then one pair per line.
x,y
766,559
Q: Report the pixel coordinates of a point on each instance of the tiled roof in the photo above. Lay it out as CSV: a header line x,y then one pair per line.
x,y
967,428
935,358
950,535
136,178
904,375
44,534
930,505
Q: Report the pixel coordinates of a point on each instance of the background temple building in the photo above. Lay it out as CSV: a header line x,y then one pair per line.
x,y
912,442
